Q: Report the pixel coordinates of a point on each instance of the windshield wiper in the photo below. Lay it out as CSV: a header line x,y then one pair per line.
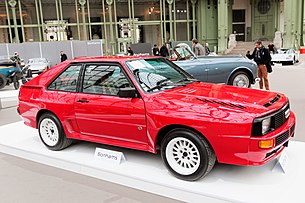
x,y
162,83
187,79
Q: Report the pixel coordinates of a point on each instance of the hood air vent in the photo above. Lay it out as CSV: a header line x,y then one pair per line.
x,y
222,103
275,99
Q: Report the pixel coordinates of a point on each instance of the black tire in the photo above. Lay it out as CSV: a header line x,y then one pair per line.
x,y
3,81
185,163
29,73
61,141
293,61
16,82
244,78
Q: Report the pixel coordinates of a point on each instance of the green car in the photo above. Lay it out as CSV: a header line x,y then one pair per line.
x,y
9,73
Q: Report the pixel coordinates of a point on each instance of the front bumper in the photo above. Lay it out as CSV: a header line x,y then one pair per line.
x,y
280,137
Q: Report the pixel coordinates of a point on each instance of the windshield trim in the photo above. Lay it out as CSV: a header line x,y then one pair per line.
x,y
176,67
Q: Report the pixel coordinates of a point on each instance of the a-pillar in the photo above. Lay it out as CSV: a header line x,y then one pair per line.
x,y
223,24
293,25
13,3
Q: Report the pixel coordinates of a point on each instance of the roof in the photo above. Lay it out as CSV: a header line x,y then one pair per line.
x,y
111,58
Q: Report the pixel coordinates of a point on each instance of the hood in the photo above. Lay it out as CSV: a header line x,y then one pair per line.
x,y
280,56
204,98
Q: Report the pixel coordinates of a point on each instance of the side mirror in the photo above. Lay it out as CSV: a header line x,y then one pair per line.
x,y
128,92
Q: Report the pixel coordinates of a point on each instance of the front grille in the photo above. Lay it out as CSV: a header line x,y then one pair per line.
x,y
281,138
279,118
275,99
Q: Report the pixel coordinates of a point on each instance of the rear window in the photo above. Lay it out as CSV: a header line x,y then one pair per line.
x,y
67,80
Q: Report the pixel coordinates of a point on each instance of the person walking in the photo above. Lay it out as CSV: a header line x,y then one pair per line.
x,y
164,51
198,49
156,51
63,56
262,58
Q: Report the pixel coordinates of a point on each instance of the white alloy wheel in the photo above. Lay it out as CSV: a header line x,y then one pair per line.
x,y
49,132
241,80
183,156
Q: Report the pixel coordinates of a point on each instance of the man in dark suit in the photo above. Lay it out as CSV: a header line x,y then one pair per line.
x,y
63,56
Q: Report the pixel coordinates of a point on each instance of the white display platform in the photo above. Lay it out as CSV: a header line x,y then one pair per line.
x,y
145,171
8,98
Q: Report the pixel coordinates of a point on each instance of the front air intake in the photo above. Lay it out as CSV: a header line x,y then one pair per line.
x,y
275,99
222,103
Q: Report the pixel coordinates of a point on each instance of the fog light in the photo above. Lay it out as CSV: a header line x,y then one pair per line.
x,y
264,144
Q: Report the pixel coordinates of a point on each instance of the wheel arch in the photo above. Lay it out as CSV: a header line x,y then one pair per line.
x,y
244,69
163,131
41,112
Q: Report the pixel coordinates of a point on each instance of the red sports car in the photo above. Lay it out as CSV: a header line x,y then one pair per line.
x,y
150,104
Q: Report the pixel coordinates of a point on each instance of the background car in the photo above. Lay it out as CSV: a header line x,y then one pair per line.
x,y
38,65
285,56
9,73
150,104
231,70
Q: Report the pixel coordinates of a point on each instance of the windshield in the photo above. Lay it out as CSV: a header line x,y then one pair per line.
x,y
182,53
283,51
157,74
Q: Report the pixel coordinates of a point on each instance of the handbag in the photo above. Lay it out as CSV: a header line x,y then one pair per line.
x,y
269,67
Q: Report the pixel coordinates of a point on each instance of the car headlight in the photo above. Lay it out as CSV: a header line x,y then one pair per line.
x,y
261,126
266,123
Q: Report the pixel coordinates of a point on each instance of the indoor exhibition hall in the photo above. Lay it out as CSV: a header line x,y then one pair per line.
x,y
152,101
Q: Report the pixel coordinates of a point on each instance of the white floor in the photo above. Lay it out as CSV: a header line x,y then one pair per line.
x,y
146,172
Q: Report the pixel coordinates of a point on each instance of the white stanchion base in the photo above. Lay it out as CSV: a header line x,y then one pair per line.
x,y
8,98
145,171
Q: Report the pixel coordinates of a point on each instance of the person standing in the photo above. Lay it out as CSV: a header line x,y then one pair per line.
x,y
262,58
63,56
207,50
271,48
164,51
198,49
16,59
156,51
129,51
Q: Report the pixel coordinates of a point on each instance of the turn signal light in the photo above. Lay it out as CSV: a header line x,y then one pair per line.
x,y
265,144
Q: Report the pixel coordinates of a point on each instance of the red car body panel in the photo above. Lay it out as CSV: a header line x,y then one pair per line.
x,y
223,114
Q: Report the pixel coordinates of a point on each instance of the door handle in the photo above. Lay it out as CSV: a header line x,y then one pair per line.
x,y
83,100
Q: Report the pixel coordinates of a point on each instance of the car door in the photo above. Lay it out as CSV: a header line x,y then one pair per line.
x,y
218,73
100,112
196,67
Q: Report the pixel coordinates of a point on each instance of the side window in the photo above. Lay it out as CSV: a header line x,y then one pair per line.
x,y
104,79
67,80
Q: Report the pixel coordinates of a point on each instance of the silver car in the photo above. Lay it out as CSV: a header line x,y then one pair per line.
x,y
231,70
38,65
